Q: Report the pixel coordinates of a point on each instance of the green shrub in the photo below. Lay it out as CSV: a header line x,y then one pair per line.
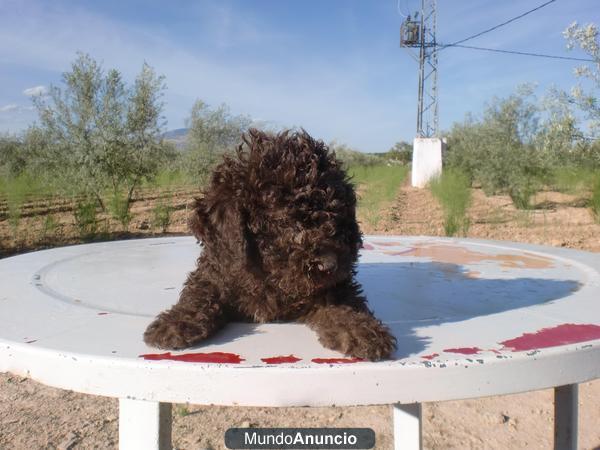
x,y
354,158
464,148
119,208
377,186
400,153
49,226
500,151
85,213
14,215
16,190
522,189
171,178
161,216
452,190
182,410
572,180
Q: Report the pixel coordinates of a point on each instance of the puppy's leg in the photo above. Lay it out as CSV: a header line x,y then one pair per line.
x,y
355,332
198,314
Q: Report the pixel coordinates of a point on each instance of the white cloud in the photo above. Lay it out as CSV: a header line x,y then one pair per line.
x,y
13,108
35,91
9,108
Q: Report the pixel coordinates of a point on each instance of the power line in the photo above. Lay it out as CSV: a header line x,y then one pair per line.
x,y
399,11
499,25
514,52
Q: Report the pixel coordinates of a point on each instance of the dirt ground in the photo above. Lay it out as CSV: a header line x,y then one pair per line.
x,y
33,416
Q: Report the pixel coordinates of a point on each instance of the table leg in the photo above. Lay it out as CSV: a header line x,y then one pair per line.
x,y
566,401
407,427
144,425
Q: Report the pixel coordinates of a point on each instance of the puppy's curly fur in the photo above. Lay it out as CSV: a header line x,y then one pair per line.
x,y
280,242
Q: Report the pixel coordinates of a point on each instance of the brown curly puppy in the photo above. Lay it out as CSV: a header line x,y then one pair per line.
x,y
280,243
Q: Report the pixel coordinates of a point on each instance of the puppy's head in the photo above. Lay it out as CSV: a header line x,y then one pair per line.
x,y
283,207
300,211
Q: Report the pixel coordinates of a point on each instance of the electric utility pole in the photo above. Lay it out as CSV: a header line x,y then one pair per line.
x,y
418,33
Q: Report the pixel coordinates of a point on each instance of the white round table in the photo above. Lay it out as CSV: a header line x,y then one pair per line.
x,y
472,318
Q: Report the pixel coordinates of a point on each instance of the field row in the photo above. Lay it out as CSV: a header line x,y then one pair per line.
x,y
41,206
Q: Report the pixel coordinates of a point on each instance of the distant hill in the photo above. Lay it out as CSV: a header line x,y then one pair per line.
x,y
178,137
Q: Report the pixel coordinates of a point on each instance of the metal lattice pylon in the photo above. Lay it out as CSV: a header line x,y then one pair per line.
x,y
419,33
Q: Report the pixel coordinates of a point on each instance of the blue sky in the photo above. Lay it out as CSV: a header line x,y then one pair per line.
x,y
333,67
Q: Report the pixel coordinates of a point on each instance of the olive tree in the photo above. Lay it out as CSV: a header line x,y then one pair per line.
x,y
586,38
212,132
12,156
585,95
499,151
101,133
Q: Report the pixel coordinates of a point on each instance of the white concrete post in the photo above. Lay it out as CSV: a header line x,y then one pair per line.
x,y
144,425
426,160
566,406
407,427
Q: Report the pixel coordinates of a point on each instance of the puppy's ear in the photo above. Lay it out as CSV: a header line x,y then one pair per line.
x,y
233,227
198,220
223,226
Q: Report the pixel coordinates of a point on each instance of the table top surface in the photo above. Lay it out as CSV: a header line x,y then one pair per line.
x,y
472,318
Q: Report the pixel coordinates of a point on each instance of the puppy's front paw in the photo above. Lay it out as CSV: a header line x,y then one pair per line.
x,y
169,334
369,339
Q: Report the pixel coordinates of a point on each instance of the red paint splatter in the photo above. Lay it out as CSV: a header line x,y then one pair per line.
x,y
430,357
214,357
464,350
367,246
336,360
564,334
102,313
281,359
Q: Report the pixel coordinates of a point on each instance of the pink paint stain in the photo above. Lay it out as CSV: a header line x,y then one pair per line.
x,y
336,360
388,244
464,350
430,357
214,357
367,246
564,334
398,252
281,359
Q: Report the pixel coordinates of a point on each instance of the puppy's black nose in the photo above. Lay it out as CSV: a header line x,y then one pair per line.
x,y
327,263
